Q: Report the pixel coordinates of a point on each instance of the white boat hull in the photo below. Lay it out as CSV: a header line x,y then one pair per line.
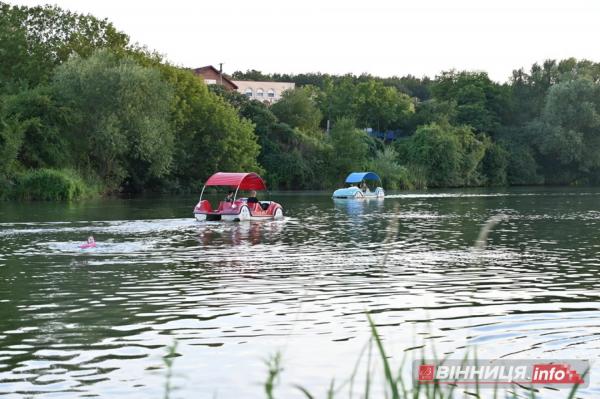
x,y
356,193
244,215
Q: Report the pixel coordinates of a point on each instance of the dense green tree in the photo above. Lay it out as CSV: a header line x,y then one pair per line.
x,y
529,89
298,109
410,85
349,148
495,164
430,111
448,155
567,135
42,120
251,74
209,134
386,165
76,99
480,103
419,88
120,126
33,40
370,103
523,168
292,159
11,139
380,107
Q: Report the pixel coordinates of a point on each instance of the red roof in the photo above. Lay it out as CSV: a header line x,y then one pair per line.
x,y
244,181
201,70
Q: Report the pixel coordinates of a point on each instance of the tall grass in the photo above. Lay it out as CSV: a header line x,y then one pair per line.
x,y
396,385
50,185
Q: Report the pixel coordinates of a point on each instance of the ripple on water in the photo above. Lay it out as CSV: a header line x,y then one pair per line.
x,y
231,294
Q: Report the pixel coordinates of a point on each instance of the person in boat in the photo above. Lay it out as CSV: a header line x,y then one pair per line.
x,y
229,197
252,198
91,240
363,186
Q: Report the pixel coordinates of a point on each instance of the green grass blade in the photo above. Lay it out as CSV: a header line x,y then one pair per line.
x,y
304,391
386,366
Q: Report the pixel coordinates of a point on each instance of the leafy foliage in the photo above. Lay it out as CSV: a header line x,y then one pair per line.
x,y
298,109
369,103
349,148
75,94
50,185
449,155
209,134
120,125
11,139
480,103
392,174
34,40
567,134
41,119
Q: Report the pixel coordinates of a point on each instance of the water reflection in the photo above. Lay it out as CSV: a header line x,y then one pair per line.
x,y
84,323
234,234
358,207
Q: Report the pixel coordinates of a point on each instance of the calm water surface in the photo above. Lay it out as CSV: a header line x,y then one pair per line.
x,y
77,323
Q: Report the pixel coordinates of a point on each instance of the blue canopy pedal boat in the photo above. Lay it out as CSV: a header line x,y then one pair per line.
x,y
361,185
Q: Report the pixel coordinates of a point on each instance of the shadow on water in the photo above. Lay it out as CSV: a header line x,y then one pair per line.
x,y
96,322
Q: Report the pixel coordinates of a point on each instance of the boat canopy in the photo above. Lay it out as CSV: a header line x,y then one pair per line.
x,y
240,181
357,177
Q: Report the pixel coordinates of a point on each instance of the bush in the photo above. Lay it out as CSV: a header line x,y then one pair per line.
x,y
11,140
393,175
50,185
450,156
5,188
522,167
495,164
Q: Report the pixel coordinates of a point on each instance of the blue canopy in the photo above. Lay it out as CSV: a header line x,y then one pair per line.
x,y
357,177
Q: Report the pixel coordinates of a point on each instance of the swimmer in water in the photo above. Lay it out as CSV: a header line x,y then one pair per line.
x,y
90,243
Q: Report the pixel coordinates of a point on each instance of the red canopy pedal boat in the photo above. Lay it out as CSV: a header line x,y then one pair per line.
x,y
239,209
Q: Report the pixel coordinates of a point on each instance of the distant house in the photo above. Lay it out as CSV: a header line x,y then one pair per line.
x,y
266,92
213,76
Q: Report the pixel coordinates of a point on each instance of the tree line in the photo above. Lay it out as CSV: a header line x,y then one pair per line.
x,y
84,111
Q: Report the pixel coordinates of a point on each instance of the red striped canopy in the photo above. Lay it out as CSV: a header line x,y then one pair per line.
x,y
243,181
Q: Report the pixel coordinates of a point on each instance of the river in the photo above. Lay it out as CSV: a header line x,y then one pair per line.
x,y
85,323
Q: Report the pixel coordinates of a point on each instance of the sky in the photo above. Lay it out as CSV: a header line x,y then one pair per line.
x,y
379,37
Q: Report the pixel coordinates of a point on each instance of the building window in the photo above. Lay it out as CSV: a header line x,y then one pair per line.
x,y
271,93
210,81
259,92
248,92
